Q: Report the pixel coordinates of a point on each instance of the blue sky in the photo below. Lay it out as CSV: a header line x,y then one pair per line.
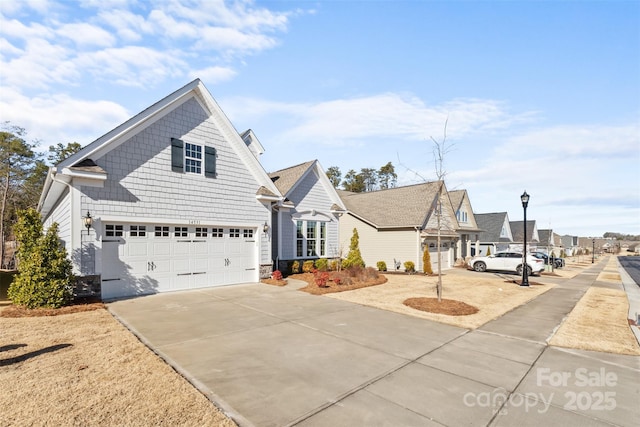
x,y
537,95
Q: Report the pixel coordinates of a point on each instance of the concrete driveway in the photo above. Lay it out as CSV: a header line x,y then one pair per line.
x,y
273,356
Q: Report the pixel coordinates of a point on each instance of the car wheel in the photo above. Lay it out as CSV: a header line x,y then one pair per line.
x,y
480,267
519,270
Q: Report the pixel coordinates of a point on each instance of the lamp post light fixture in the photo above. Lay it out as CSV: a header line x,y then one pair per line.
x,y
525,267
88,221
593,251
265,227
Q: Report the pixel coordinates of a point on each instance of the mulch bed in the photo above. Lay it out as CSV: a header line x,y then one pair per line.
x,y
331,287
75,307
444,306
274,282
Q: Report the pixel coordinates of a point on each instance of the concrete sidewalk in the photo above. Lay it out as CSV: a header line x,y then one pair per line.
x,y
273,356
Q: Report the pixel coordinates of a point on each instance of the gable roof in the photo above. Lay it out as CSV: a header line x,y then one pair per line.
x,y
491,224
68,168
286,180
457,196
397,207
517,228
546,236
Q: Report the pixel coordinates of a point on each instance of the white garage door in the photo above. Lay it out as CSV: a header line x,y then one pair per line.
x,y
445,255
147,258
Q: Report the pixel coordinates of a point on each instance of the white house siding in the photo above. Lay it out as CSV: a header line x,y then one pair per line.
x,y
387,245
311,203
61,214
141,183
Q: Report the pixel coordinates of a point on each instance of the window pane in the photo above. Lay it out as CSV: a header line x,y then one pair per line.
x,y
311,230
311,248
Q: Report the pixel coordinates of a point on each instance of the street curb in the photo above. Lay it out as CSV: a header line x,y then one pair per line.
x,y
633,296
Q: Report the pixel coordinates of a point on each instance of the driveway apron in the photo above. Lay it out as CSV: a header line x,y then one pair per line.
x,y
272,356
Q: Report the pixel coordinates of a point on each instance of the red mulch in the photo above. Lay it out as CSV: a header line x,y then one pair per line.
x,y
444,306
76,307
332,287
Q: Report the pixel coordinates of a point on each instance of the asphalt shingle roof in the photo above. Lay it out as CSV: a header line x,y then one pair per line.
x,y
285,179
395,207
492,224
517,230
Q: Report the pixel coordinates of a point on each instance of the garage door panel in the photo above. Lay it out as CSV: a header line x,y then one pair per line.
x,y
161,247
199,247
137,248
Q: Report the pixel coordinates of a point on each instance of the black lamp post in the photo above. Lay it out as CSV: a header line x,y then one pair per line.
x,y
593,251
525,266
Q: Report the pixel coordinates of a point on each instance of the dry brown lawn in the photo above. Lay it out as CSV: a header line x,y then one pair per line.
x,y
85,368
489,293
599,322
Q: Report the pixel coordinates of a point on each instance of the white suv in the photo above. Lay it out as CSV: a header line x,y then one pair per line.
x,y
506,261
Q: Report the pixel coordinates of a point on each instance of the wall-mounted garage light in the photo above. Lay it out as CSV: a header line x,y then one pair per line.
x,y
265,227
88,221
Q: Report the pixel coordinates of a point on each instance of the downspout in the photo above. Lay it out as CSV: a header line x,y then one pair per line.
x,y
418,244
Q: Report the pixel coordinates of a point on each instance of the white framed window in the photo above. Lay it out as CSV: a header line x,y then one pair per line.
x,y
202,231
192,158
462,216
137,230
180,232
114,230
217,232
234,233
311,239
161,231
247,233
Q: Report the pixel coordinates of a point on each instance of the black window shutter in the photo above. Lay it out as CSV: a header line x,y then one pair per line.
x,y
210,162
177,155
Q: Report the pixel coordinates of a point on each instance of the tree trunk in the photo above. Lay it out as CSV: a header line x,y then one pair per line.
x,y
3,206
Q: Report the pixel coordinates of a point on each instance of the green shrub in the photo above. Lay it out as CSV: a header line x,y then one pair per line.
x,y
426,261
333,265
382,266
409,267
322,264
44,276
295,267
354,257
563,254
307,266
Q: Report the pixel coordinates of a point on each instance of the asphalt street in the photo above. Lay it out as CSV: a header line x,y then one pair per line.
x,y
631,264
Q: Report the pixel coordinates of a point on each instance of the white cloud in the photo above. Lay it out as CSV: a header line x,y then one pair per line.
x,y
134,66
214,75
60,118
391,116
86,35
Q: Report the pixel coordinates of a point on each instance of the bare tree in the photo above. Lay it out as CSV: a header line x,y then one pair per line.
x,y
440,150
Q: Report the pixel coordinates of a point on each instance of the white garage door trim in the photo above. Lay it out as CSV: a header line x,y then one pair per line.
x,y
147,258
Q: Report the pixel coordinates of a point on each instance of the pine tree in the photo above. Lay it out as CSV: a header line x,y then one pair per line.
x,y
354,258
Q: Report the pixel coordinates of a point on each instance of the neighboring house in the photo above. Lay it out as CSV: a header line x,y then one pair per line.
x,y
395,225
549,242
533,239
496,233
177,199
570,244
305,223
468,231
